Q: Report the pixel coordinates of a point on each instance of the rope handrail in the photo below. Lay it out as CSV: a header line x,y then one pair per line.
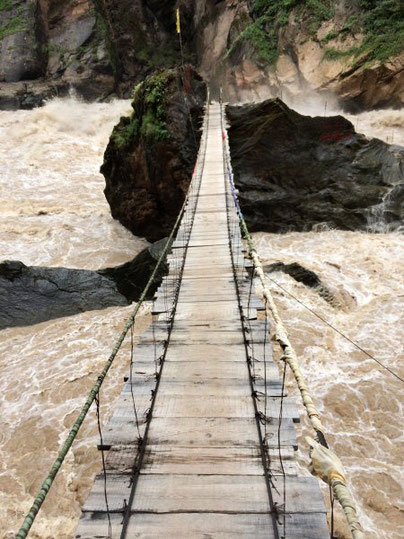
x,y
325,463
64,449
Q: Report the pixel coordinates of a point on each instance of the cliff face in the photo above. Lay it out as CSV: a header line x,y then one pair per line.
x,y
351,49
48,47
253,48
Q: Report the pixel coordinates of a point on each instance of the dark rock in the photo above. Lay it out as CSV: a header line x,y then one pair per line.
x,y
295,172
298,272
30,295
339,298
29,95
132,277
23,53
150,157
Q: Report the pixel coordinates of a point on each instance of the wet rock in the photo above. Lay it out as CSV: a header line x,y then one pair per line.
x,y
339,298
298,272
29,95
132,277
296,172
30,295
22,47
150,157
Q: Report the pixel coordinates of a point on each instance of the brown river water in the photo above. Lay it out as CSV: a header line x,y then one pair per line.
x,y
53,212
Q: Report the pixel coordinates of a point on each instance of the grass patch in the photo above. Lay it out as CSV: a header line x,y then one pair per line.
x,y
271,15
382,22
150,112
334,54
125,132
154,91
6,5
13,26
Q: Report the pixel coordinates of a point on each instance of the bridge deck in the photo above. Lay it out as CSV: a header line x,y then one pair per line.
x,y
202,472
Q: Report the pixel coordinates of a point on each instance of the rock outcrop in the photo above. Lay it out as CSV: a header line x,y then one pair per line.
x,y
30,295
296,172
150,157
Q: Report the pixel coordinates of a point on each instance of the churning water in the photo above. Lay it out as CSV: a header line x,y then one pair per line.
x,y
53,212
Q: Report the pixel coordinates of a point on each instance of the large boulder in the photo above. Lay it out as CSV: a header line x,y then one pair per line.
x,y
151,155
296,172
29,295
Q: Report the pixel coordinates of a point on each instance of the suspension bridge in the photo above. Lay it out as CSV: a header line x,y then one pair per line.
x,y
204,397
202,440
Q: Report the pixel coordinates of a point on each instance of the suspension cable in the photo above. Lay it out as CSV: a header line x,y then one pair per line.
x,y
335,329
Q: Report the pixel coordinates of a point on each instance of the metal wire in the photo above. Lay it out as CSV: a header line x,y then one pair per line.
x,y
97,402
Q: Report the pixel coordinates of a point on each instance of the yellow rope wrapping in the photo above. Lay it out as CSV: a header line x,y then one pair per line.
x,y
343,495
328,467
289,354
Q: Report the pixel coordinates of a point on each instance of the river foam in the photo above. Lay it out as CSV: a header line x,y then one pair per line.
x,y
53,212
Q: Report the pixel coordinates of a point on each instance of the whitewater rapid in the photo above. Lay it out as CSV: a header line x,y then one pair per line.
x,y
53,212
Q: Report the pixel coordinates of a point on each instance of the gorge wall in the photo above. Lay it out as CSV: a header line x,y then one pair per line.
x,y
254,49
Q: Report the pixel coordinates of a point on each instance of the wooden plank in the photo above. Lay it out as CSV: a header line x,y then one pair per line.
x,y
304,526
233,493
303,494
201,526
118,492
231,460
203,432
187,406
205,387
207,353
95,525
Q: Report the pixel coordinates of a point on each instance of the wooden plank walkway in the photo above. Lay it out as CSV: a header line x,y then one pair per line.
x,y
210,468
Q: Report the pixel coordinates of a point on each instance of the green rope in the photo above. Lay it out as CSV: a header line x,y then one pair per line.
x,y
47,483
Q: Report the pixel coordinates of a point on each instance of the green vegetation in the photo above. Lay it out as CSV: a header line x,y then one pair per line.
x,y
154,90
149,97
6,5
382,22
13,26
271,15
126,131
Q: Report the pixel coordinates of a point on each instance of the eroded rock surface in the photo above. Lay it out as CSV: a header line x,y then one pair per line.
x,y
296,172
339,298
